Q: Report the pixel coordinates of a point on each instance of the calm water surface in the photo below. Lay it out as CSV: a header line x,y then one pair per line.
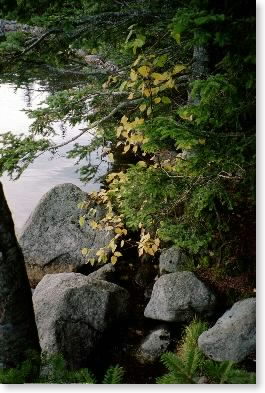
x,y
48,170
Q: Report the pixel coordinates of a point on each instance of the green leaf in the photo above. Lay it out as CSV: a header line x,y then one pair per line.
x,y
166,100
160,61
178,68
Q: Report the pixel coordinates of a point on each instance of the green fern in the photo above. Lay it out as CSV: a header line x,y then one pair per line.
x,y
178,370
114,375
190,364
226,372
54,370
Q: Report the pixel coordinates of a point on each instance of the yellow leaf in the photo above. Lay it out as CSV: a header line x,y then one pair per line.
x,y
146,92
149,251
125,134
124,119
154,247
84,251
169,84
111,176
142,107
124,231
141,251
201,141
92,261
128,126
138,122
141,164
118,230
135,148
133,75
130,96
122,243
101,252
157,242
123,85
160,77
118,254
111,157
157,100
144,70
93,224
119,130
155,90
126,148
178,68
149,111
81,221
137,60
113,259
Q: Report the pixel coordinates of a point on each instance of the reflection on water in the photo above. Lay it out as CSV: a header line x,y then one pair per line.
x,y
47,171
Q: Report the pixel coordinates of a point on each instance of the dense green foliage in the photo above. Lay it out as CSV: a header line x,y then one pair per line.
x,y
181,101
54,370
189,365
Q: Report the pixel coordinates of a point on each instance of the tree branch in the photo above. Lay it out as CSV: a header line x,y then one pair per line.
x,y
41,38
94,125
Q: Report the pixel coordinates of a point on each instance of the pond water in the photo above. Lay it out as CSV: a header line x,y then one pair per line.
x,y
47,170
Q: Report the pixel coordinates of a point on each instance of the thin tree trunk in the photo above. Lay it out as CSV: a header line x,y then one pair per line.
x,y
18,331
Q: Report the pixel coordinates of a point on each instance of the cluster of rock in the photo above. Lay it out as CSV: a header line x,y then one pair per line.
x,y
74,311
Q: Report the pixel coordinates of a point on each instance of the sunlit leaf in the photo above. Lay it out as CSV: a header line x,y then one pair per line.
x,y
84,251
133,75
81,221
166,100
142,107
111,157
144,70
126,149
113,259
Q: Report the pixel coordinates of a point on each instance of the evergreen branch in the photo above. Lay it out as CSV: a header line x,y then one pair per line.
x,y
40,39
95,124
114,375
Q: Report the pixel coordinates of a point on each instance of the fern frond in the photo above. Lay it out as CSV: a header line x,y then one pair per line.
x,y
226,372
177,368
82,376
241,377
193,360
169,379
114,375
190,337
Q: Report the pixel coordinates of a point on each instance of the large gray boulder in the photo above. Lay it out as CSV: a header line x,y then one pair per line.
x,y
52,238
72,312
172,260
233,337
154,345
177,297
